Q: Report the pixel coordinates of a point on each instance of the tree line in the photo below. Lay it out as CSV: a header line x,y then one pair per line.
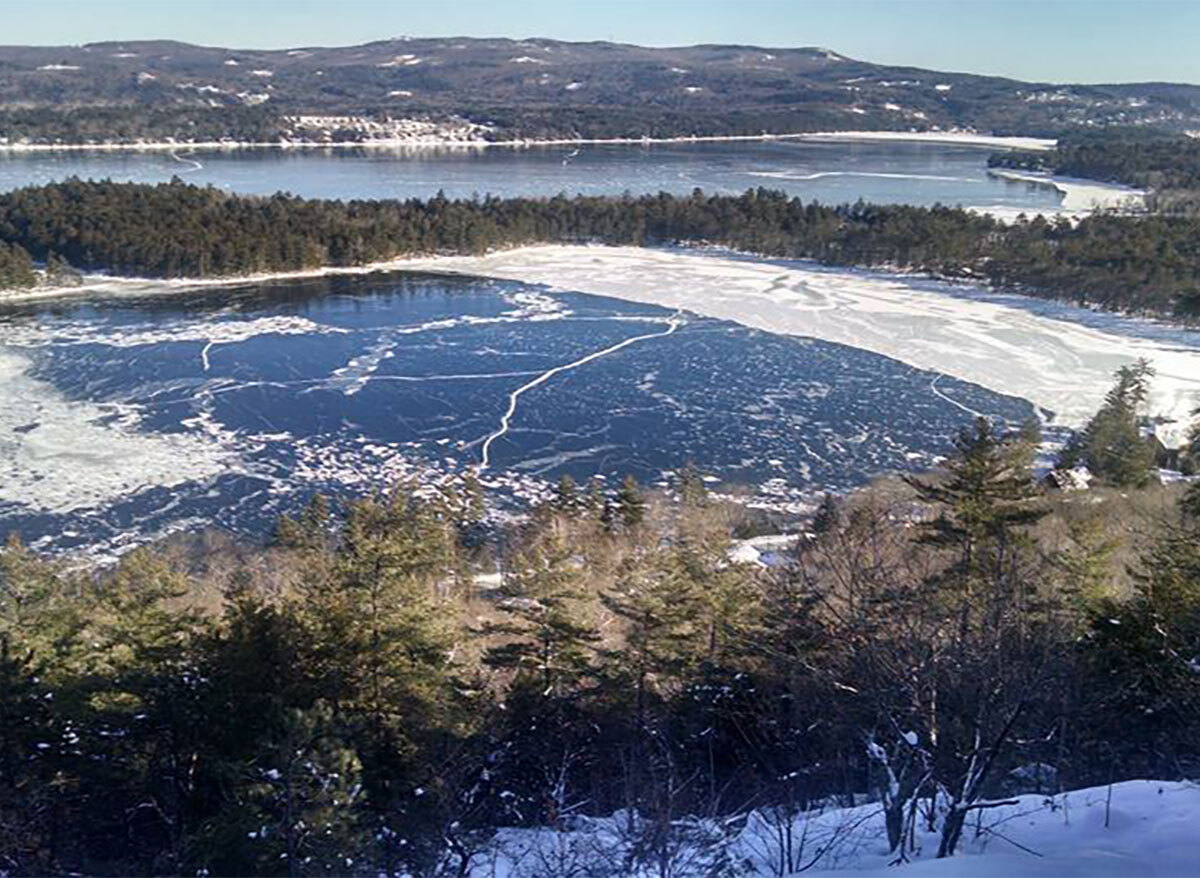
x,y
353,699
1147,264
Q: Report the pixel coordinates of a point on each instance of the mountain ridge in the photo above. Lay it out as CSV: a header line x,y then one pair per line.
x,y
540,88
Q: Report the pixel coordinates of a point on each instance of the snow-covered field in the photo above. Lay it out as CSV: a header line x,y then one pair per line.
x,y
1059,364
1136,828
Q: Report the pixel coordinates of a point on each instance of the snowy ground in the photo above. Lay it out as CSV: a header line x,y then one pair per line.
x,y
1063,364
1137,828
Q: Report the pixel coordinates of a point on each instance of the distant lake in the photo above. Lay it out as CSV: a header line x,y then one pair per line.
x,y
123,418
832,173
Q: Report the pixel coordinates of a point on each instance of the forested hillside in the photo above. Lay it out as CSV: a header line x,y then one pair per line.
x,y
1135,157
536,88
352,699
1147,264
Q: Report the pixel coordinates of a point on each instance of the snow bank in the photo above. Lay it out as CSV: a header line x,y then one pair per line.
x,y
1061,365
1144,828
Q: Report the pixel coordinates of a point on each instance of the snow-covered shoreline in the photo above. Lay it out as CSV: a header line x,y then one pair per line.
x,y
960,138
957,138
1081,195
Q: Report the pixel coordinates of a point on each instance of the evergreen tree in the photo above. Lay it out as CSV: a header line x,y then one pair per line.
x,y
1112,445
987,493
692,490
545,637
1143,655
630,508
30,742
566,494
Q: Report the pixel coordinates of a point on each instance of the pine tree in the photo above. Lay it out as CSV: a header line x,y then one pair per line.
x,y
1112,445
1143,655
988,493
566,494
692,490
546,639
630,508
30,742
663,614
380,648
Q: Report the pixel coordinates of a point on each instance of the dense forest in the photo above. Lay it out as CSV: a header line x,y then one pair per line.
x,y
355,699
1146,264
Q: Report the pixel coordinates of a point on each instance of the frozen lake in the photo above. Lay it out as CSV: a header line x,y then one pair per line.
x,y
123,417
832,173
127,417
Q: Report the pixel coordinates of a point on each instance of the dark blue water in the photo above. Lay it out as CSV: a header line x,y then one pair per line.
x,y
259,396
832,173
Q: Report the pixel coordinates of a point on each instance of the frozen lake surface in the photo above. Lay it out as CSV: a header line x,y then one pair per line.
x,y
832,173
127,417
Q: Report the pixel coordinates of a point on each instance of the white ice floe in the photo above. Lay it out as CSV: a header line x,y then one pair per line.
x,y
1058,364
61,455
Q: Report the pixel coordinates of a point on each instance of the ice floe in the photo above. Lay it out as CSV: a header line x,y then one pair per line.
x,y
61,455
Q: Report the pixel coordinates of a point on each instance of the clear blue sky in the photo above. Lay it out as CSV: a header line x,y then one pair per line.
x,y
1059,40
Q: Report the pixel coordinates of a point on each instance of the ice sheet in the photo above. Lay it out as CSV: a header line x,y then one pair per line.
x,y
1060,365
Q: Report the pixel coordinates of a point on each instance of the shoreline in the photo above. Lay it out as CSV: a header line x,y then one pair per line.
x,y
1080,195
949,138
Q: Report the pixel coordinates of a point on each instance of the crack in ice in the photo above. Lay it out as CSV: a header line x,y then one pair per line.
x,y
506,419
